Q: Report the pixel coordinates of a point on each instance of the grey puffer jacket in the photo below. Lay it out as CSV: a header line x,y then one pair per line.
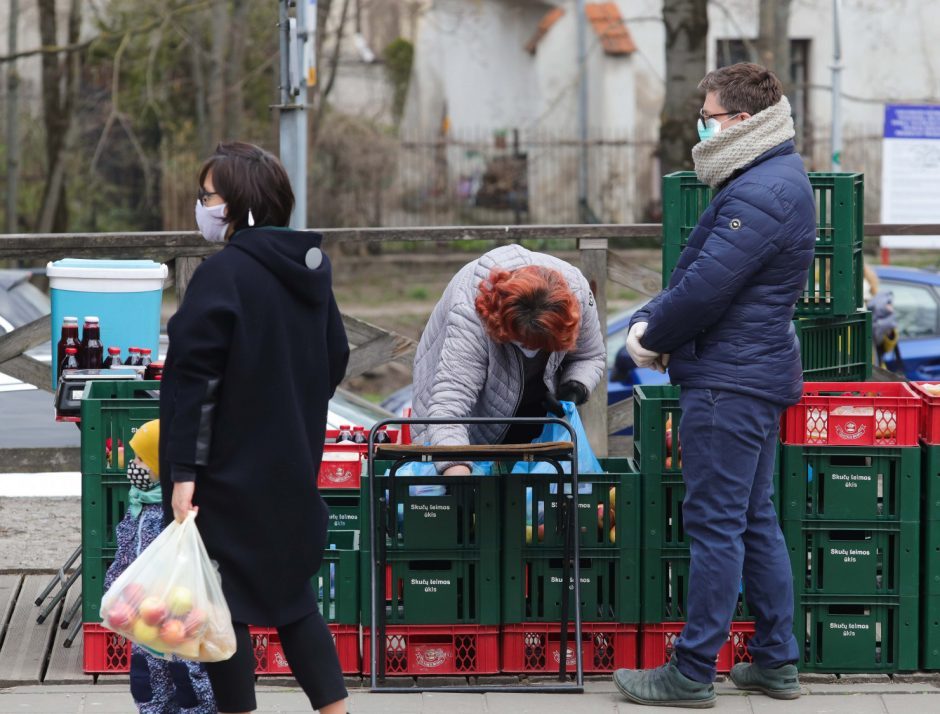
x,y
460,371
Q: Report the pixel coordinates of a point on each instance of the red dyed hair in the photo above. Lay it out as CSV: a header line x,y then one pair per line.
x,y
532,305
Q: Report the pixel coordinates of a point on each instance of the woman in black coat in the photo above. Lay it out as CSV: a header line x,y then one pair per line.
x,y
257,349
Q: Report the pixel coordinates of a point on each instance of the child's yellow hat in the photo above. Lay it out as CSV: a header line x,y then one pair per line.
x,y
146,445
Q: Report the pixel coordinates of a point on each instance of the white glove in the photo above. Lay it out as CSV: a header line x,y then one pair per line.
x,y
641,356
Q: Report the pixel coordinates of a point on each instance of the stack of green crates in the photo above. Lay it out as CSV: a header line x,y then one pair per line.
x,y
930,597
832,324
111,413
533,545
851,522
442,551
665,555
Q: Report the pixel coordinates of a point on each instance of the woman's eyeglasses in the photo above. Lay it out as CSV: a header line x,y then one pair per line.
x,y
203,195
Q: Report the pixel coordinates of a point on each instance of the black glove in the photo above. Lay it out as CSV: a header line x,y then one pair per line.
x,y
567,392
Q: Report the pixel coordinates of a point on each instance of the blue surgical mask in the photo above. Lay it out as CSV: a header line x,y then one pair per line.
x,y
526,351
709,129
211,222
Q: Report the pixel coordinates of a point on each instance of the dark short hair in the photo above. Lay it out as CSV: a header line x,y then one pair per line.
x,y
249,178
743,87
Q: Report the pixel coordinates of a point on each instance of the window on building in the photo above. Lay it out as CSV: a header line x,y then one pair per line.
x,y
731,51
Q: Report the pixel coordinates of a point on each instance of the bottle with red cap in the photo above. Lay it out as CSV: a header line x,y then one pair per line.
x,y
359,435
114,358
382,437
70,361
345,434
145,359
154,371
68,338
133,357
92,348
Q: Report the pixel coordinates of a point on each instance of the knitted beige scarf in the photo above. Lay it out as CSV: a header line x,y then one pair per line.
x,y
738,145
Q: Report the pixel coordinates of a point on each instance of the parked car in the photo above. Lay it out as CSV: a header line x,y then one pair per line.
x,y
917,304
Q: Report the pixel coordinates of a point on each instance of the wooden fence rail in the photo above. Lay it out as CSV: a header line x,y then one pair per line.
x,y
373,346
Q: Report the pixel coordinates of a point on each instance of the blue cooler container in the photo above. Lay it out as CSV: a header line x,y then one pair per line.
x,y
125,295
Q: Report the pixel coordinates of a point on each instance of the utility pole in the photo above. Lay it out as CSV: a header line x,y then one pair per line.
x,y
293,106
836,87
13,110
583,211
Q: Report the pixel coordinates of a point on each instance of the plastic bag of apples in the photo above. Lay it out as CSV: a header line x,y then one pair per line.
x,y
170,599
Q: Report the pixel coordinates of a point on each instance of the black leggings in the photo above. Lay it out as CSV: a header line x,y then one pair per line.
x,y
311,654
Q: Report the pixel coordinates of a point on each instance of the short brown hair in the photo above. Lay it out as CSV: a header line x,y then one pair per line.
x,y
532,305
743,87
247,178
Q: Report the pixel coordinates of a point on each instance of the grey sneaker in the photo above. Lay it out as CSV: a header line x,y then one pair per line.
x,y
779,682
664,686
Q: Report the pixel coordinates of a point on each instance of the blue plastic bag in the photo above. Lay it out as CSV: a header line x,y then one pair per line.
x,y
587,461
427,468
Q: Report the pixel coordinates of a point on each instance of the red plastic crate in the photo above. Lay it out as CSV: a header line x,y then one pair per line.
x,y
436,649
854,414
342,463
536,647
657,641
930,412
108,653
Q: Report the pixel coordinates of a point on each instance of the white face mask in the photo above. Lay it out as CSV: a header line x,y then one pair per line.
x,y
211,221
526,351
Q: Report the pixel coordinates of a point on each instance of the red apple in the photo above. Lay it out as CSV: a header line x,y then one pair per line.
x,y
600,516
173,632
194,621
133,594
152,611
613,534
121,615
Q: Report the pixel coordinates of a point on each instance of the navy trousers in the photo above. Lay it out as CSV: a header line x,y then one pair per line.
x,y
728,443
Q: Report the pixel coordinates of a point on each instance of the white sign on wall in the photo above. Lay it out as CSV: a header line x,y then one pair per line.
x,y
910,171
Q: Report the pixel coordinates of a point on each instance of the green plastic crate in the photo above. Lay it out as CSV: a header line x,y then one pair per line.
x,y
662,525
465,517
337,582
345,508
930,633
834,284
851,483
854,558
665,587
856,634
836,349
532,587
434,587
530,499
931,476
656,416
110,410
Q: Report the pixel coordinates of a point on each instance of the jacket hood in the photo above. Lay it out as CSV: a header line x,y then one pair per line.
x,y
284,252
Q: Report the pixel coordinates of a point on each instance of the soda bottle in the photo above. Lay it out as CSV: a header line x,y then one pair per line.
x,y
345,434
359,435
154,371
92,349
114,358
133,357
70,361
145,356
382,437
69,338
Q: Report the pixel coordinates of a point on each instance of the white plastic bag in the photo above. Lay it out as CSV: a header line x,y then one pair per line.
x,y
170,601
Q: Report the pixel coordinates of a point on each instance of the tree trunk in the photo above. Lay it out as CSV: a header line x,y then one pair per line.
x,y
235,72
52,215
773,39
13,139
219,50
203,133
686,23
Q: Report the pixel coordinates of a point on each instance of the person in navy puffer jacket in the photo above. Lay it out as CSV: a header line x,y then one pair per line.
x,y
724,329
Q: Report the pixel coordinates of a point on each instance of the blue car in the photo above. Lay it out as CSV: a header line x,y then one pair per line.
x,y
917,305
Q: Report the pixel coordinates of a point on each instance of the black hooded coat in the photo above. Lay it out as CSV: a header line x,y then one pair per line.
x,y
257,349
